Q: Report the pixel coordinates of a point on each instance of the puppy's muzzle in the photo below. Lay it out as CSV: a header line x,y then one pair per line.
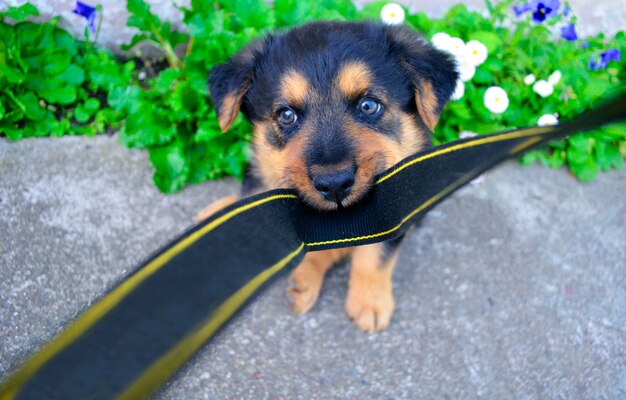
x,y
336,185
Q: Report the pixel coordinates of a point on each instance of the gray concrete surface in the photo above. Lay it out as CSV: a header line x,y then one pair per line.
x,y
512,289
594,16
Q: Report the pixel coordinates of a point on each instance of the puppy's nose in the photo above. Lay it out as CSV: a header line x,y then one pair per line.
x,y
335,186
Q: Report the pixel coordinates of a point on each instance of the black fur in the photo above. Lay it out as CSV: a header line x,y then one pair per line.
x,y
398,56
399,59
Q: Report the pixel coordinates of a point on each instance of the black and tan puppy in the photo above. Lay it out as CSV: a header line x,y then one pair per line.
x,y
334,104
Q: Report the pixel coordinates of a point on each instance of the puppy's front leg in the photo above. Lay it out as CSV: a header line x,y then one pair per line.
x,y
306,280
215,207
370,301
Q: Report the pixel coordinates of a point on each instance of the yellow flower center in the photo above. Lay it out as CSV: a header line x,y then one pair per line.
x,y
392,15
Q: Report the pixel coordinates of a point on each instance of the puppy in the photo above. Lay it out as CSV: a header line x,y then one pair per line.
x,y
333,104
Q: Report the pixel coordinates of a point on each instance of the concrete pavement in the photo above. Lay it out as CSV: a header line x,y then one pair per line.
x,y
511,289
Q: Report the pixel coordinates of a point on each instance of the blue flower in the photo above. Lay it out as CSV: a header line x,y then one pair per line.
x,y
605,58
521,9
87,11
568,32
566,10
543,9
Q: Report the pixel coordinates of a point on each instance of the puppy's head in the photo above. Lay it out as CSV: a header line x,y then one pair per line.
x,y
334,104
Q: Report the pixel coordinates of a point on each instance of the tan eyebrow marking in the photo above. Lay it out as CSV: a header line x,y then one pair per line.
x,y
354,79
294,88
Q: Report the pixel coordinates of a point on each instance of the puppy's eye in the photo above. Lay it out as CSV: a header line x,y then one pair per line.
x,y
287,117
369,106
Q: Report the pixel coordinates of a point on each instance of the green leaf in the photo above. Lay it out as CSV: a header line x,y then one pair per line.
x,y
483,76
585,171
251,13
490,39
577,156
32,109
86,110
172,167
207,131
62,94
56,62
608,156
125,99
73,74
147,127
12,74
494,65
21,13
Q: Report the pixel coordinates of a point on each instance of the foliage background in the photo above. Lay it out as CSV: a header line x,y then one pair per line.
x,y
52,84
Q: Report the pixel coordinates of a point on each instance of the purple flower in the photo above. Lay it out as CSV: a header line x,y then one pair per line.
x,y
611,55
87,11
543,9
568,32
605,58
521,9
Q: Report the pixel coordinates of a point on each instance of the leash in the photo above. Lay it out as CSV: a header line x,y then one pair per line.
x,y
142,331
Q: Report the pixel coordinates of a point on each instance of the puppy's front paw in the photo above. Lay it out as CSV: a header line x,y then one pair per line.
x,y
370,304
303,288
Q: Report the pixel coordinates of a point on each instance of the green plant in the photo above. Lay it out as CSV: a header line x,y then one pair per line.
x,y
170,113
52,84
528,48
174,118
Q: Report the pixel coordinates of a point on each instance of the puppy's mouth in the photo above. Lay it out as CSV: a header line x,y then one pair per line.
x,y
337,189
325,202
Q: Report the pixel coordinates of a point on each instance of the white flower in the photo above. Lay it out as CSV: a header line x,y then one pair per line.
x,y
496,100
392,14
554,77
543,88
441,40
466,69
459,90
456,46
142,75
547,119
467,134
475,52
529,79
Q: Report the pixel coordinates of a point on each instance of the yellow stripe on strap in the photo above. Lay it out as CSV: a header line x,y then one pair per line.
x,y
473,143
165,366
449,189
95,313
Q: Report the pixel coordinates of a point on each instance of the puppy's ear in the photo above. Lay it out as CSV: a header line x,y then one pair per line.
x,y
432,72
229,82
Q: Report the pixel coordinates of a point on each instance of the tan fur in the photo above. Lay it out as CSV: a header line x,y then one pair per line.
x,y
228,110
294,88
412,137
353,79
215,207
370,301
306,280
370,296
322,169
427,104
376,152
269,160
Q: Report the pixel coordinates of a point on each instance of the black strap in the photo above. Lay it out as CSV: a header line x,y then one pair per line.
x,y
141,332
